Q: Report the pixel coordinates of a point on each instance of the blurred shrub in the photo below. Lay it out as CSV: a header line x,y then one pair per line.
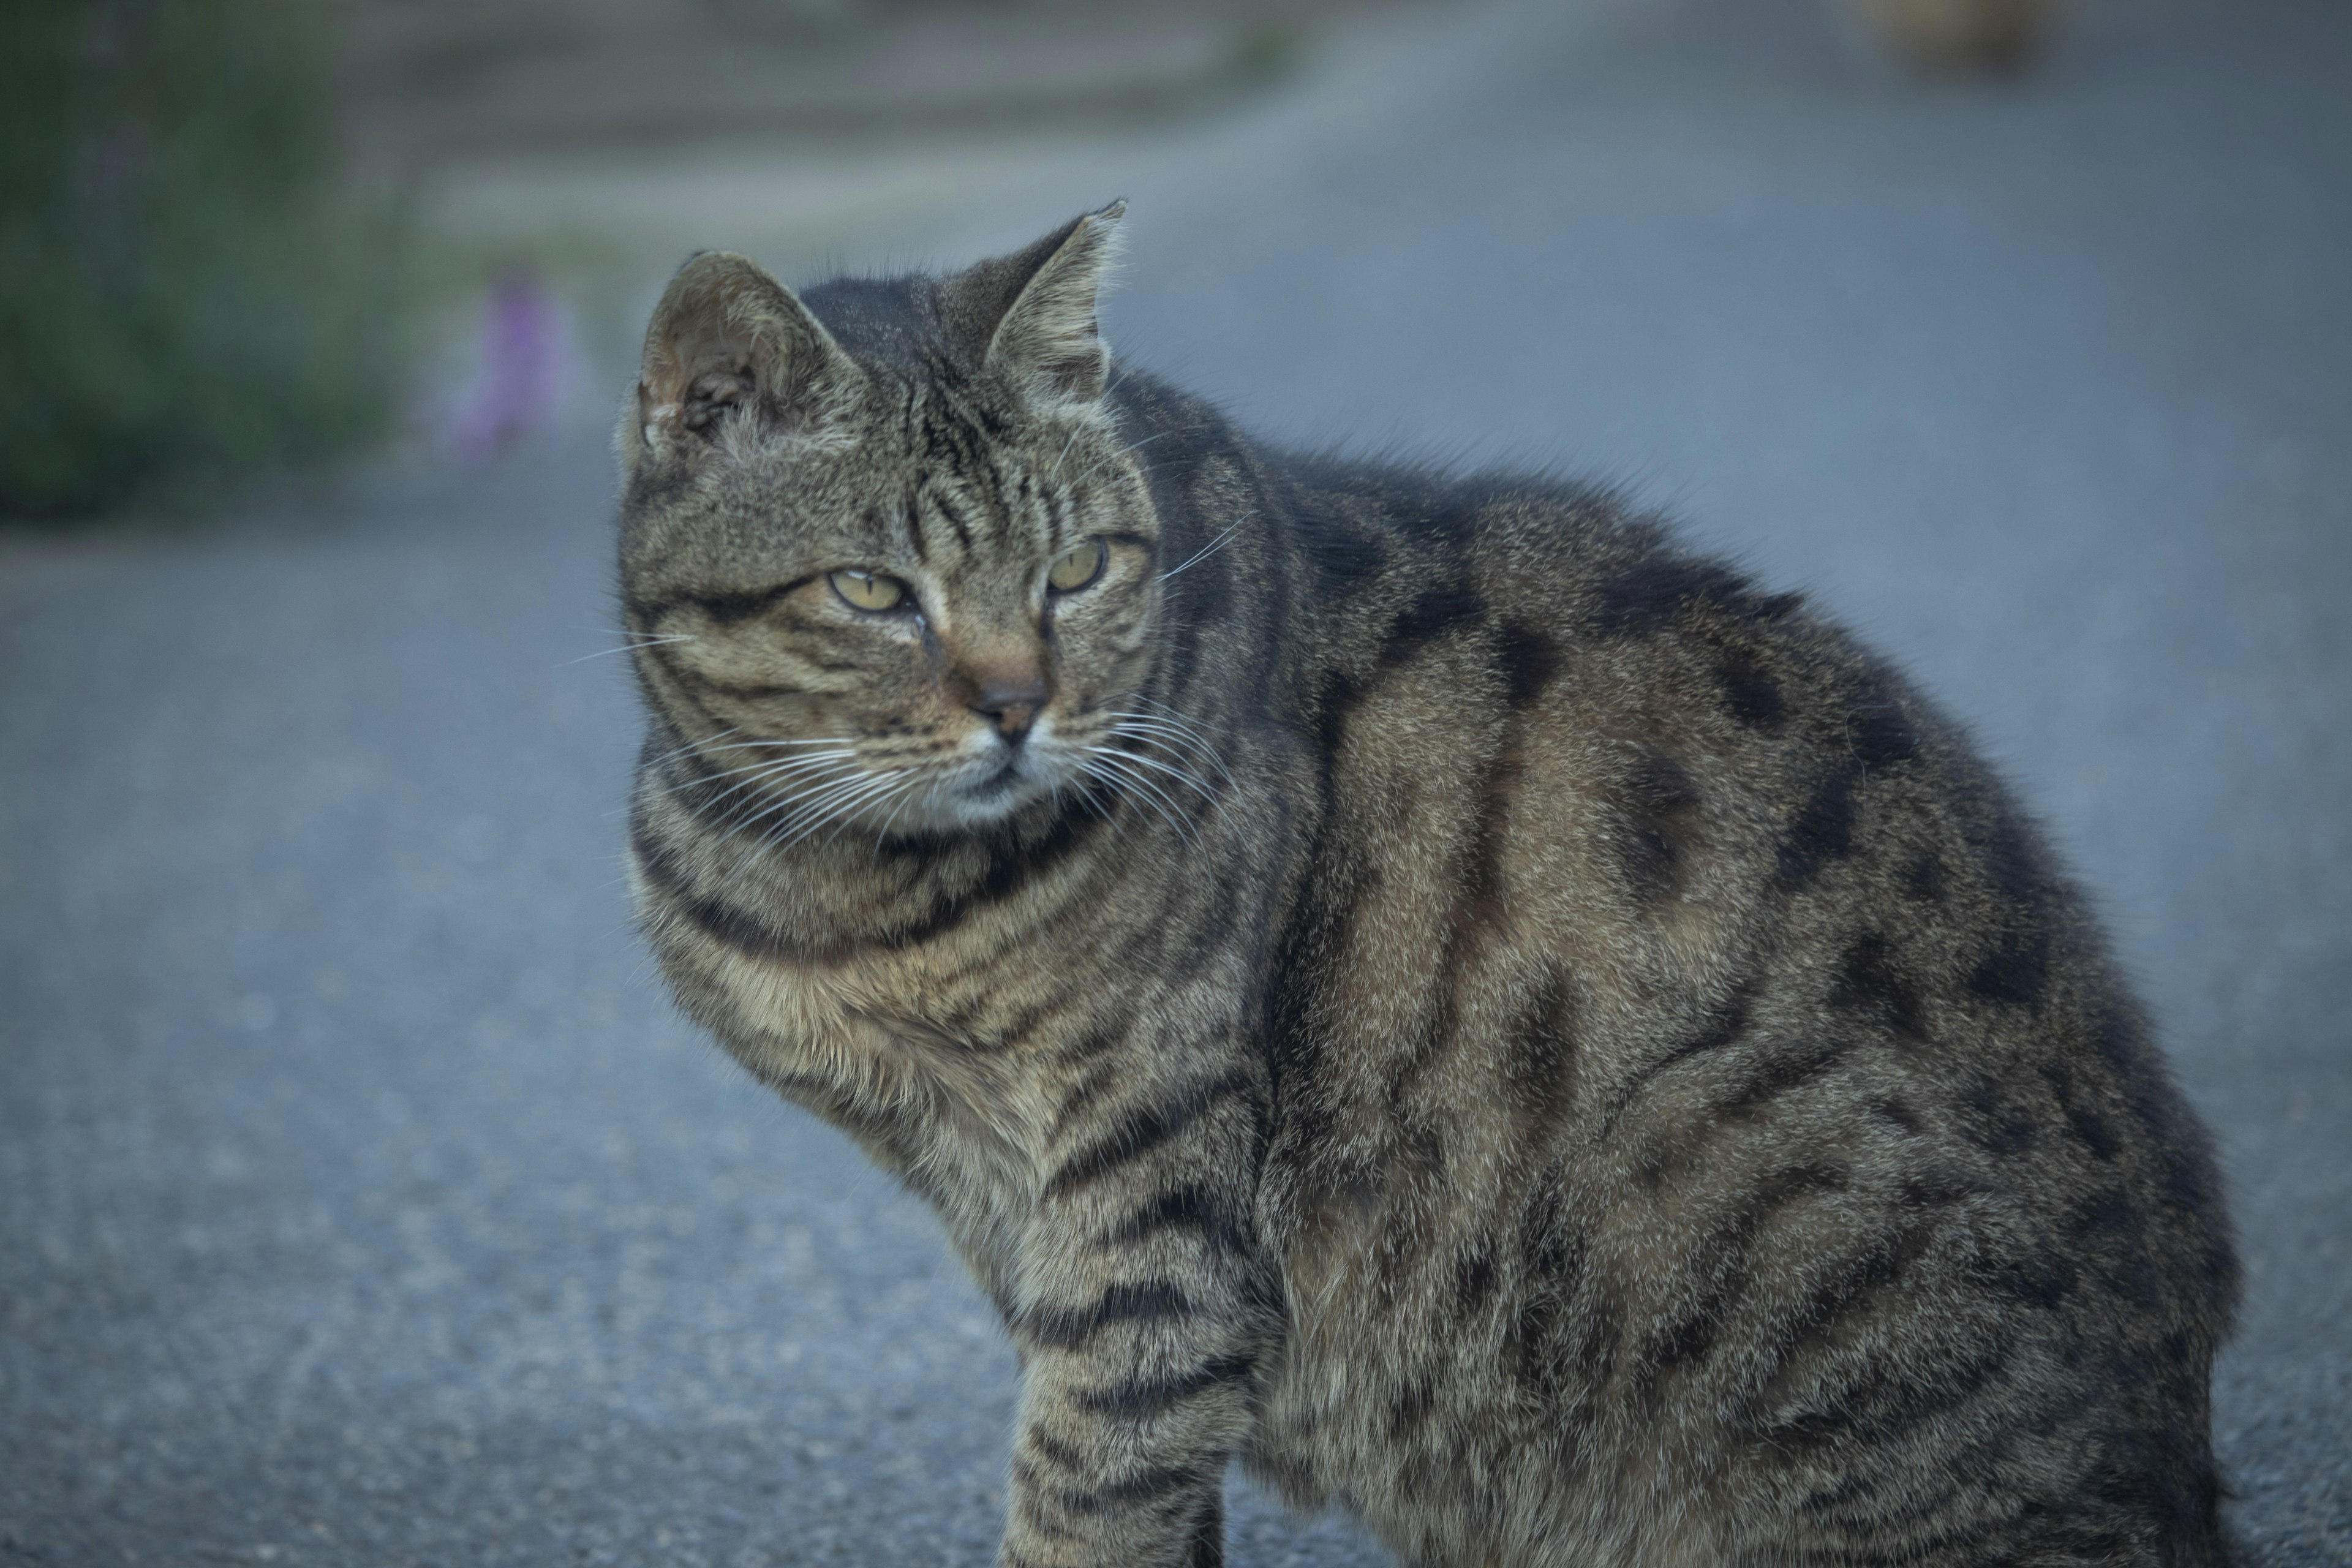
x,y
184,290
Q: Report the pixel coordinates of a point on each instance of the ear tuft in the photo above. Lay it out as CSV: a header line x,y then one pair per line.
x,y
727,337
1047,335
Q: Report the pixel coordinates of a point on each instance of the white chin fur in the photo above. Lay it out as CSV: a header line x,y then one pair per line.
x,y
974,792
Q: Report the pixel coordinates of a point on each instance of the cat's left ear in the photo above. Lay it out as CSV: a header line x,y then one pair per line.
x,y
1034,311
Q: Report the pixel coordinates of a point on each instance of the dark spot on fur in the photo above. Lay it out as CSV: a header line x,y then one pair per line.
x,y
1823,831
2013,858
2106,1216
1527,1343
1879,735
1646,833
1870,980
1537,1069
1481,904
2015,971
1784,1067
1409,1407
1645,856
2040,1280
1548,1247
1749,689
2186,1178
1345,559
1474,1279
1435,612
1688,1340
1939,1186
1659,784
1053,1448
1924,879
1899,1114
1994,1125
2091,1130
1334,699
1530,660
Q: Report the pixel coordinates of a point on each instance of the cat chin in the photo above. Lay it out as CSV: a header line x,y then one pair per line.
x,y
977,797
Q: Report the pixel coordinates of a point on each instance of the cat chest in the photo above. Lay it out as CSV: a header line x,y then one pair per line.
x,y
880,1046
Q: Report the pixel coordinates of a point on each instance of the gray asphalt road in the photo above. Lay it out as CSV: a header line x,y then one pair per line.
x,y
361,1202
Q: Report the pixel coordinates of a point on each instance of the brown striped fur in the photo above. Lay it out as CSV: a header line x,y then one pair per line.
x,y
1485,1017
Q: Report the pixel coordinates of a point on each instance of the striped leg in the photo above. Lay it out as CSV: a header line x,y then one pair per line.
x,y
1142,1326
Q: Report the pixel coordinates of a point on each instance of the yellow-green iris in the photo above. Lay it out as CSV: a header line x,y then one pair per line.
x,y
1075,567
870,590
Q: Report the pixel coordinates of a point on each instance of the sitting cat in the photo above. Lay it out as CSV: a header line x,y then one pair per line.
x,y
1417,984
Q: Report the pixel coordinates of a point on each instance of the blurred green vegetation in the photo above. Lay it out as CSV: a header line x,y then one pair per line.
x,y
189,288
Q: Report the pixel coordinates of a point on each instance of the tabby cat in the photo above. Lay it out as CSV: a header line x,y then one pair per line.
x,y
1416,984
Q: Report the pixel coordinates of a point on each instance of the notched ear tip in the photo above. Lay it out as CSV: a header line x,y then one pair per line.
x,y
714,286
727,336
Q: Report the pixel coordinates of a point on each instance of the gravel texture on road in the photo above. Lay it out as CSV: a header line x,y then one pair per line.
x,y
363,1201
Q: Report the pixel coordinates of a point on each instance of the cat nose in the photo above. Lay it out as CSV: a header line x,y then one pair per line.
x,y
1009,706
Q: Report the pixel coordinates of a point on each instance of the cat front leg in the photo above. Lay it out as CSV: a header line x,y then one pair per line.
x,y
1142,1320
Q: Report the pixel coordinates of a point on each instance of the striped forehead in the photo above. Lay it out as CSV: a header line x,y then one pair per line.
x,y
973,497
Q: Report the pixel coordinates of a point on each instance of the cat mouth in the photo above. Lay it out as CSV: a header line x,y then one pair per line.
x,y
1007,775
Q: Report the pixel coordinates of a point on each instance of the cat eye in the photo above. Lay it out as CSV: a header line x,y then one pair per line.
x,y
1074,569
870,590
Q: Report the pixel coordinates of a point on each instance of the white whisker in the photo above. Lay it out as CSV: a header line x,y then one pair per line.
x,y
782,762
764,773
883,831
1192,779
839,805
690,745
1122,452
1064,452
824,783
1151,795
897,780
624,647
1181,717
1161,731
1202,554
814,741
816,797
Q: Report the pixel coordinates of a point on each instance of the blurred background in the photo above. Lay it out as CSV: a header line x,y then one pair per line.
x,y
362,1201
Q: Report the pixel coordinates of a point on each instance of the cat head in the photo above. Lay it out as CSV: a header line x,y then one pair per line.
x,y
887,561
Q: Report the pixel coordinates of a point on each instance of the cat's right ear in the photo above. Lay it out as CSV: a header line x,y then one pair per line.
x,y
727,338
